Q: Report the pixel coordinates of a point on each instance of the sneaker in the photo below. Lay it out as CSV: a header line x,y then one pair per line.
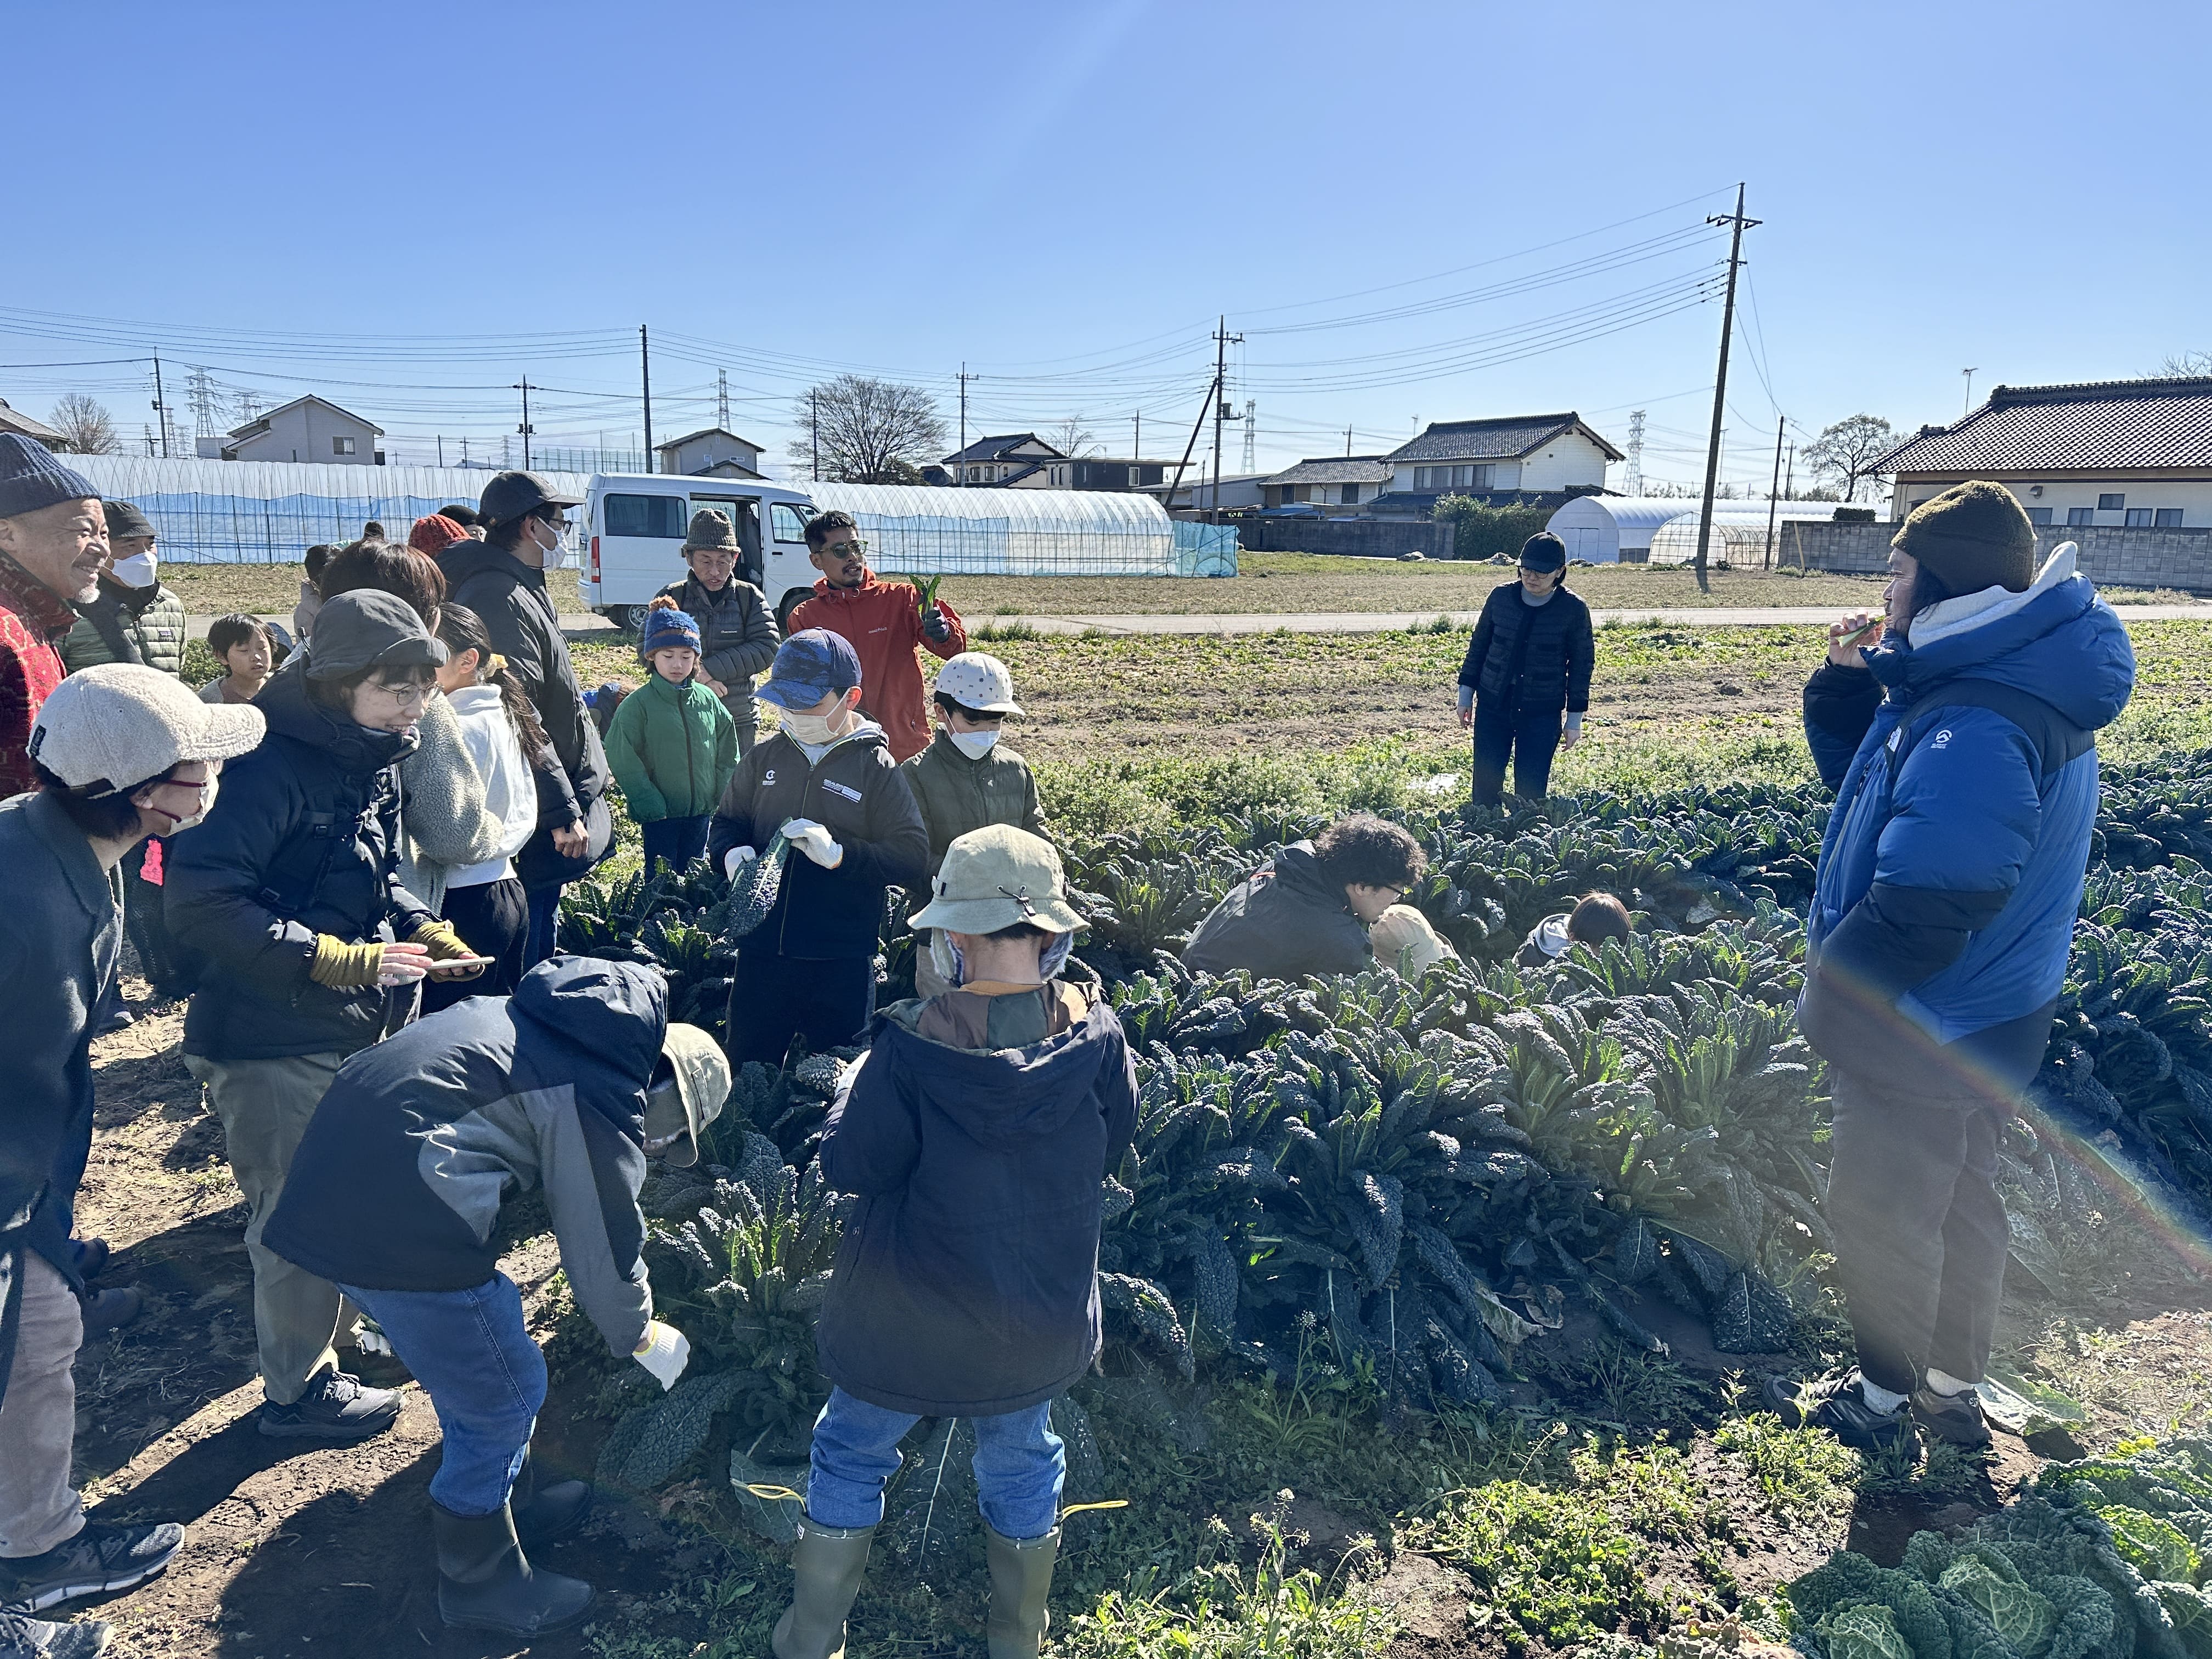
x,y
111,1310
335,1407
23,1638
1835,1403
1956,1418
99,1561
91,1256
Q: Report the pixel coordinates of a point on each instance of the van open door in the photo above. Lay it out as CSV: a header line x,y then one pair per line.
x,y
743,512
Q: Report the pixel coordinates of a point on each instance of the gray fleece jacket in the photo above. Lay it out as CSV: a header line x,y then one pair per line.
x,y
443,824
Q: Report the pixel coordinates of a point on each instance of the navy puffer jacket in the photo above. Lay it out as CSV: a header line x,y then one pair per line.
x,y
1944,907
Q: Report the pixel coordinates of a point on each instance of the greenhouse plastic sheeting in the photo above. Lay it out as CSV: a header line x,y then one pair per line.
x,y
1739,531
919,529
1205,550
271,511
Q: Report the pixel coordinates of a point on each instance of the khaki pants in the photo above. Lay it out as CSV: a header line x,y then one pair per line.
x,y
39,1509
265,1105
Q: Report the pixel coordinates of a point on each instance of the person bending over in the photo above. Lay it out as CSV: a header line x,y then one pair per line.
x,y
1309,909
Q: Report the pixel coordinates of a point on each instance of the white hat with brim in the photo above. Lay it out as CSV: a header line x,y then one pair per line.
x,y
999,876
702,1085
121,724
978,682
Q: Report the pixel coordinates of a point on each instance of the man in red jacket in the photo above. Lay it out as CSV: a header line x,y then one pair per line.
x,y
53,540
883,622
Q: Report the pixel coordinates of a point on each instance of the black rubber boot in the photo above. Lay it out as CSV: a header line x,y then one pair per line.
x,y
486,1582
1021,1578
826,1567
548,1510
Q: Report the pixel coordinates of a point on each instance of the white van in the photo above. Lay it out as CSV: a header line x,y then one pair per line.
x,y
634,523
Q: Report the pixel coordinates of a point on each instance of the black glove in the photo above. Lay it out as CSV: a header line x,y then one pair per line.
x,y
934,624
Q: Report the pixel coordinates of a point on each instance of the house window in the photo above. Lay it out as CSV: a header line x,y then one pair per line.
x,y
2111,503
2139,518
2081,515
2169,518
2038,515
1347,496
342,447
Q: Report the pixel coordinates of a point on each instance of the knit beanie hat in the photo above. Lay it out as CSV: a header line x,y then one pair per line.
x,y
1543,551
667,627
32,476
711,531
1973,536
433,535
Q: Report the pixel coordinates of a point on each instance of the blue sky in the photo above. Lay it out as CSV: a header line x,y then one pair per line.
x,y
409,207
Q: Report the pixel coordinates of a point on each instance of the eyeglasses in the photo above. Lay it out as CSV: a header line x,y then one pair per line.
x,y
405,691
855,547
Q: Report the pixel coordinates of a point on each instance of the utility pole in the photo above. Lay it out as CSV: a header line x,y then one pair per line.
x,y
1212,392
645,373
1969,409
441,449
1737,225
525,429
1221,343
1773,489
963,462
1789,479
161,409
1348,443
814,425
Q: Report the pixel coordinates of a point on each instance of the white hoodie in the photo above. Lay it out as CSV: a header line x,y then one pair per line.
x,y
510,788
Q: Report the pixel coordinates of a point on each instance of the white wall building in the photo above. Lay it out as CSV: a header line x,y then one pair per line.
x,y
2132,454
1529,453
307,430
715,451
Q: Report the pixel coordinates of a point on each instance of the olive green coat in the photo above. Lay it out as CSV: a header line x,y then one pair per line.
x,y
957,794
127,625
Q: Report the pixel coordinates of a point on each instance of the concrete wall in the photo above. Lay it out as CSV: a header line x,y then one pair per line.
x,y
1364,538
2110,556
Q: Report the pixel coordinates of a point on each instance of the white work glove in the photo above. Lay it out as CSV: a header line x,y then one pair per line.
x,y
815,841
665,1352
733,857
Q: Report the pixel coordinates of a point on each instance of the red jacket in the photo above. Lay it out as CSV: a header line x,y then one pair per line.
x,y
882,622
32,623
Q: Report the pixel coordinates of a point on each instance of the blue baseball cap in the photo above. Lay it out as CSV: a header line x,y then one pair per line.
x,y
809,667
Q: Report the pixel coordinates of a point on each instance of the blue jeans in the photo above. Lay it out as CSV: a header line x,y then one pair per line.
x,y
473,1356
539,940
675,841
1019,1465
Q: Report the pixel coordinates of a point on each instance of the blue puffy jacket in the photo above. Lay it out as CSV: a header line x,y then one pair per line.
x,y
1945,904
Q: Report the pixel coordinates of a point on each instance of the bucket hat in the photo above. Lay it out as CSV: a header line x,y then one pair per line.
x,y
998,876
701,1087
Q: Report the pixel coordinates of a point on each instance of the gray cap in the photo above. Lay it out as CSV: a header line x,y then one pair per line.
x,y
367,628
125,521
511,495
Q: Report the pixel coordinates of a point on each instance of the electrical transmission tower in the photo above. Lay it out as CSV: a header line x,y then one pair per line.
x,y
1251,436
722,398
200,393
249,403
1635,480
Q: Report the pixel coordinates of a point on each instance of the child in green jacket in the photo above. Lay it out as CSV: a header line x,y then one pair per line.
x,y
964,780
671,745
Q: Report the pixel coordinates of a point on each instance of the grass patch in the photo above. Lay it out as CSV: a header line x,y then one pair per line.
x,y
1798,1472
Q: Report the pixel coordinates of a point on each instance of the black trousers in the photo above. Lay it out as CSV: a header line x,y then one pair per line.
x,y
1920,1230
1531,738
775,998
492,918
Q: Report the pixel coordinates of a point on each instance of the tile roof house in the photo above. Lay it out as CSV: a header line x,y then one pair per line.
x,y
2125,453
1506,460
1334,483
14,421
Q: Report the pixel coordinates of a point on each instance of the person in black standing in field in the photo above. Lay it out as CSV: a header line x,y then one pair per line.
x,y
1524,687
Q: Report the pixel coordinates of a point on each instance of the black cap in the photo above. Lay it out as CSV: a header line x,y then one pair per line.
x,y
125,521
1543,551
510,495
367,629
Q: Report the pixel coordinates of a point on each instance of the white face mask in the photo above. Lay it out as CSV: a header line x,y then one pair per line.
x,y
139,570
556,555
813,730
973,744
207,805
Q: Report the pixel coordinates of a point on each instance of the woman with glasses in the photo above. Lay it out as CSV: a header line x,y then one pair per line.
x,y
309,948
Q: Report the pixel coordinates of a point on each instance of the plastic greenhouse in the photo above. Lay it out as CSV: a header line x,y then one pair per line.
x,y
1739,533
922,529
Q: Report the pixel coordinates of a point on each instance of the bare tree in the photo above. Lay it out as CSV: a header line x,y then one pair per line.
x,y
856,430
2186,363
85,427
1073,438
1846,451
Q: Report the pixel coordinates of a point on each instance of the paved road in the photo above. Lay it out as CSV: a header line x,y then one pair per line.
x,y
1374,622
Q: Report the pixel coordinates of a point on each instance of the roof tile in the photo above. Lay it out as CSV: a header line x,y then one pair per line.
x,y
2101,425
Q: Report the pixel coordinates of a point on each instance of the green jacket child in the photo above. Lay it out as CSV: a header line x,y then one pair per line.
x,y
671,745
963,781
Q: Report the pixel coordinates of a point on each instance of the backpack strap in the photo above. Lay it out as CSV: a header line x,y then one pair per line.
x,y
2057,741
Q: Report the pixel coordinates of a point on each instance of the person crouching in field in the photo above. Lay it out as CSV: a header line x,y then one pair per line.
x,y
977,1132
671,745
1309,909
964,780
826,781
1525,686
1942,917
1596,918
